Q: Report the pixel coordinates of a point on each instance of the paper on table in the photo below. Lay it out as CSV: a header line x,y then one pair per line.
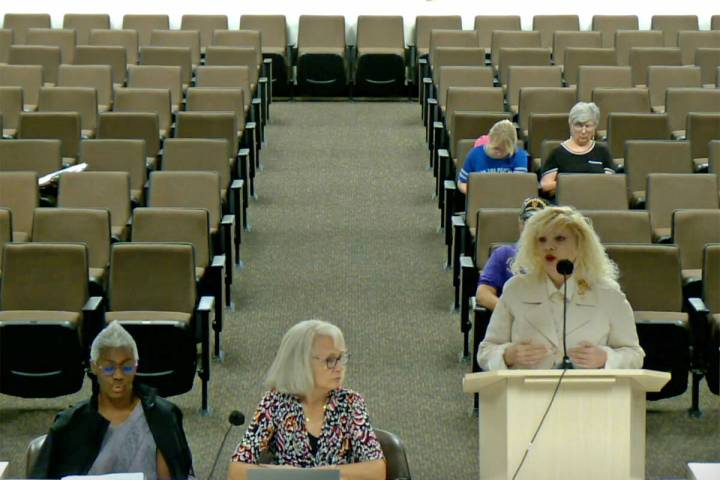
x,y
109,476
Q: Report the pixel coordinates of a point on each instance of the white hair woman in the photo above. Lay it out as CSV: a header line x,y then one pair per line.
x,y
525,329
499,155
579,153
307,419
124,427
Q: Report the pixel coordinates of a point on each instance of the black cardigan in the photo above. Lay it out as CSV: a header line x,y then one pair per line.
x,y
74,440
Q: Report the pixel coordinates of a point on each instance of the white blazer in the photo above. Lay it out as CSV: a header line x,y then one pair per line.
x,y
601,316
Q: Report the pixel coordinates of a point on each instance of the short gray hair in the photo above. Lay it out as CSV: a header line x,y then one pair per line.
x,y
291,371
583,112
113,336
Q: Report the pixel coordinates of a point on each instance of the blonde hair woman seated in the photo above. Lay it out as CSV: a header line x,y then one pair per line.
x,y
525,329
499,155
307,419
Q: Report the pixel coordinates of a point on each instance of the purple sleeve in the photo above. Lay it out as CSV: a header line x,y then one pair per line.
x,y
497,268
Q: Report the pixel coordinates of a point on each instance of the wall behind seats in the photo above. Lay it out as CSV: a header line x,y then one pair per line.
x,y
292,9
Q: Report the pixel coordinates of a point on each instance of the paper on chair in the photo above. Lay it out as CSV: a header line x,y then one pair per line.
x,y
109,476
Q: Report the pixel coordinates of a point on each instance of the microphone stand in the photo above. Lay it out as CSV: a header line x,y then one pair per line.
x,y
566,362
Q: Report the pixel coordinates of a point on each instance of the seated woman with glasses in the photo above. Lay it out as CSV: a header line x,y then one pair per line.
x,y
308,419
124,428
579,153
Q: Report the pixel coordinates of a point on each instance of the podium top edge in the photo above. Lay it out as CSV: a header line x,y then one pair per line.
x,y
649,380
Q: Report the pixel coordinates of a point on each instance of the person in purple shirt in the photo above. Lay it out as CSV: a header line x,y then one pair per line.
x,y
499,155
497,268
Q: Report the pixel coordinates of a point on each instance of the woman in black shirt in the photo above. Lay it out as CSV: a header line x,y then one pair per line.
x,y
579,153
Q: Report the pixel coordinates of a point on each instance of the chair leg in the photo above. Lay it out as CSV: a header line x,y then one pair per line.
x,y
204,372
695,411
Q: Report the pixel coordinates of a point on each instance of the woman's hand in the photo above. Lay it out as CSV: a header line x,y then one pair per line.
x,y
524,353
587,355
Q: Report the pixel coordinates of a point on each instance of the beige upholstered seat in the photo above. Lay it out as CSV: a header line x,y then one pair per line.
x,y
634,126
127,39
112,55
591,77
643,57
662,77
150,100
82,100
521,76
620,100
178,39
98,77
19,194
171,56
543,100
64,126
49,57
484,25
118,155
65,39
627,39
20,23
691,231
144,24
205,25
681,101
27,77
11,104
671,25
569,39
41,156
575,57
132,125
609,24
592,191
620,226
643,157
83,23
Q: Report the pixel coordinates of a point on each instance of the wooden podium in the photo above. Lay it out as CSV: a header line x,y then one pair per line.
x,y
594,430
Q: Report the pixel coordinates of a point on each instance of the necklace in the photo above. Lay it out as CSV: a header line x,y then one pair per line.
x,y
324,408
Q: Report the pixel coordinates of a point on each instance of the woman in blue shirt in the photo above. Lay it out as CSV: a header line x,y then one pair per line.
x,y
499,155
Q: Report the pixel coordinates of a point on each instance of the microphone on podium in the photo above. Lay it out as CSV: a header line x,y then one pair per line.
x,y
235,419
565,267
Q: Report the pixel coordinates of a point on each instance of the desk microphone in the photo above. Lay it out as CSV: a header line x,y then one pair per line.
x,y
565,267
236,419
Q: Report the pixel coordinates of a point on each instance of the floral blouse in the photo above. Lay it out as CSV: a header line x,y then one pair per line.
x,y
279,427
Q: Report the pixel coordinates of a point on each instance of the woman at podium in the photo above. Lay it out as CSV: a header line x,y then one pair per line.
x,y
526,327
308,419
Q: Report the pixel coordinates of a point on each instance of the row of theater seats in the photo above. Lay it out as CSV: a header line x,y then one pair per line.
x,y
671,236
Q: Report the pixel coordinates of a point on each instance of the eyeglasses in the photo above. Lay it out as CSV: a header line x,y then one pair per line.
x,y
126,369
586,126
332,362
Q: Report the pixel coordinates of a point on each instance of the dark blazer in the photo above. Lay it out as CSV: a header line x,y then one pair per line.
x,y
74,440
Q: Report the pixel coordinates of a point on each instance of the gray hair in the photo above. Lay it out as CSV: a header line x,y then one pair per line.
x,y
113,336
291,371
583,112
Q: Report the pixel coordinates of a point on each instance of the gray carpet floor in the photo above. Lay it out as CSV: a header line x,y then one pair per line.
x,y
344,229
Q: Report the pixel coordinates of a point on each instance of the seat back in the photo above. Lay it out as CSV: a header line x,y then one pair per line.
x,y
33,452
545,126
64,126
670,25
27,77
512,39
145,24
643,157
479,99
187,190
497,190
20,23
320,31
152,100
484,25
691,230
239,38
127,39
493,226
462,76
425,24
19,194
65,39
620,100
98,77
564,39
667,192
591,77
711,277
82,100
526,56
234,56
184,225
11,104
221,125
625,40
112,55
643,57
152,277
701,129
49,57
609,24
105,190
635,126
79,225
5,229
380,31
44,276
590,191
575,57
273,31
39,156
530,76
547,25
680,101
83,23
171,56
117,155
620,226
158,76
689,41
708,59
178,39
472,124
396,462
662,77
131,125
455,56
6,40
223,76
197,154
544,100
205,25
218,100
451,38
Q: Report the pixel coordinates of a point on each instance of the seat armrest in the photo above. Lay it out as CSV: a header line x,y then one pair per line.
x,y
450,185
698,306
458,221
466,262
255,101
228,220
438,125
427,80
93,304
432,101
237,184
206,304
218,261
250,125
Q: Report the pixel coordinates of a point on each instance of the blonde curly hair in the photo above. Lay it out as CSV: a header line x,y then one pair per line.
x,y
592,265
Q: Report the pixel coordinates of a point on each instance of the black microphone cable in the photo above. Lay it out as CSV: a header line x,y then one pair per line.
x,y
236,418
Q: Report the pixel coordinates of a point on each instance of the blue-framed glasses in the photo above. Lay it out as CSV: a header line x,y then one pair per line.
x,y
126,369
